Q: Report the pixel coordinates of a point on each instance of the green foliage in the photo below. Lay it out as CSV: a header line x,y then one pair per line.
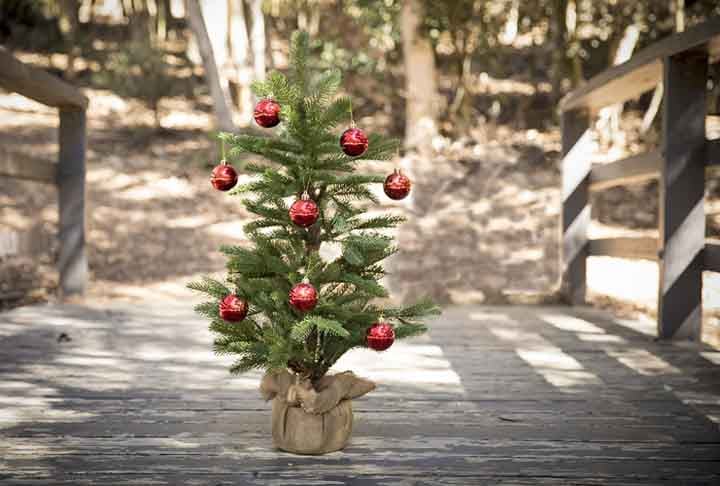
x,y
304,156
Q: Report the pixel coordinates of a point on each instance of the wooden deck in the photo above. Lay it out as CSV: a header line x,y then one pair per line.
x,y
521,396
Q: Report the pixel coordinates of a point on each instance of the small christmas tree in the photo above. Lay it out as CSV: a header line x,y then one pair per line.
x,y
283,307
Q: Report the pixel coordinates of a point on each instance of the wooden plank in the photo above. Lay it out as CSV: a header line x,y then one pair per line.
x,y
22,166
631,170
682,191
72,260
643,248
576,165
645,69
713,152
37,84
711,257
138,398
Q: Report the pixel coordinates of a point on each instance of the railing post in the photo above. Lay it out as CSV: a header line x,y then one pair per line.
x,y
682,189
576,164
72,260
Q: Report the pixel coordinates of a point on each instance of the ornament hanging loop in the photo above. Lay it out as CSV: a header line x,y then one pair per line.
x,y
352,119
223,160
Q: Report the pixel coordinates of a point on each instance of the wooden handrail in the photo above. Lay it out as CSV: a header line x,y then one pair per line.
x,y
37,84
625,247
68,174
631,170
22,166
643,71
680,63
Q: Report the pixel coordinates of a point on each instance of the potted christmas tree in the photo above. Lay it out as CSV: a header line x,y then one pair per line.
x,y
283,307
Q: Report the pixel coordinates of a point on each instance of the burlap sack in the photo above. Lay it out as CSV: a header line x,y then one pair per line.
x,y
312,420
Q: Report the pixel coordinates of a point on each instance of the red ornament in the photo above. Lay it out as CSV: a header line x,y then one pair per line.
x,y
354,142
233,308
303,297
223,177
267,113
304,212
380,336
397,185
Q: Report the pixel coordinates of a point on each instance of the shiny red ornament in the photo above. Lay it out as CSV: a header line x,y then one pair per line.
x,y
304,212
267,113
303,297
233,308
397,185
224,177
354,142
380,336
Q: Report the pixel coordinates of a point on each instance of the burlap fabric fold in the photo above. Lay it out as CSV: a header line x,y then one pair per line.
x,y
312,420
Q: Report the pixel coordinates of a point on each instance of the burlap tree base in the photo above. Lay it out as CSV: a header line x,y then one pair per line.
x,y
309,419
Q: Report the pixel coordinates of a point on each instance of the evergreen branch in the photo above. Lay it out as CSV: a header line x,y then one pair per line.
x,y
380,148
409,330
210,287
336,112
377,222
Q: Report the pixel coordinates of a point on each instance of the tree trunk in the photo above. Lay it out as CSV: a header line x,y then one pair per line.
x,y
239,46
510,30
257,38
559,46
609,117
219,94
69,22
421,98
678,8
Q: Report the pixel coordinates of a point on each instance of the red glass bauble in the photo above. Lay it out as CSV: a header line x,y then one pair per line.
x,y
380,336
233,308
303,297
304,212
354,142
224,177
397,185
267,113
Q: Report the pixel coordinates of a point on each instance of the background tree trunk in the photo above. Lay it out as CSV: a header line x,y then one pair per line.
x,y
219,94
421,98
257,38
239,44
559,38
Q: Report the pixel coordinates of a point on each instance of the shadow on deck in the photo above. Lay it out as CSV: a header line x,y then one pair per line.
x,y
511,395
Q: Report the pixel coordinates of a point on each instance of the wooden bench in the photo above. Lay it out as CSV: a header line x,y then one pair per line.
x,y
68,174
680,62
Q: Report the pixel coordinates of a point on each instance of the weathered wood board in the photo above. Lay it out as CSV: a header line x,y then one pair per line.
x,y
494,395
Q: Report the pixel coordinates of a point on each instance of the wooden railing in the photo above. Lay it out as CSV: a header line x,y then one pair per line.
x,y
680,62
68,173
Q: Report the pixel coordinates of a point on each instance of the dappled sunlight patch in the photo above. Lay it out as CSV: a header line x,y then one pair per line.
x,y
601,338
643,325
643,362
191,222
491,316
529,340
111,179
551,362
416,364
89,361
156,186
558,368
569,323
634,280
15,410
228,229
